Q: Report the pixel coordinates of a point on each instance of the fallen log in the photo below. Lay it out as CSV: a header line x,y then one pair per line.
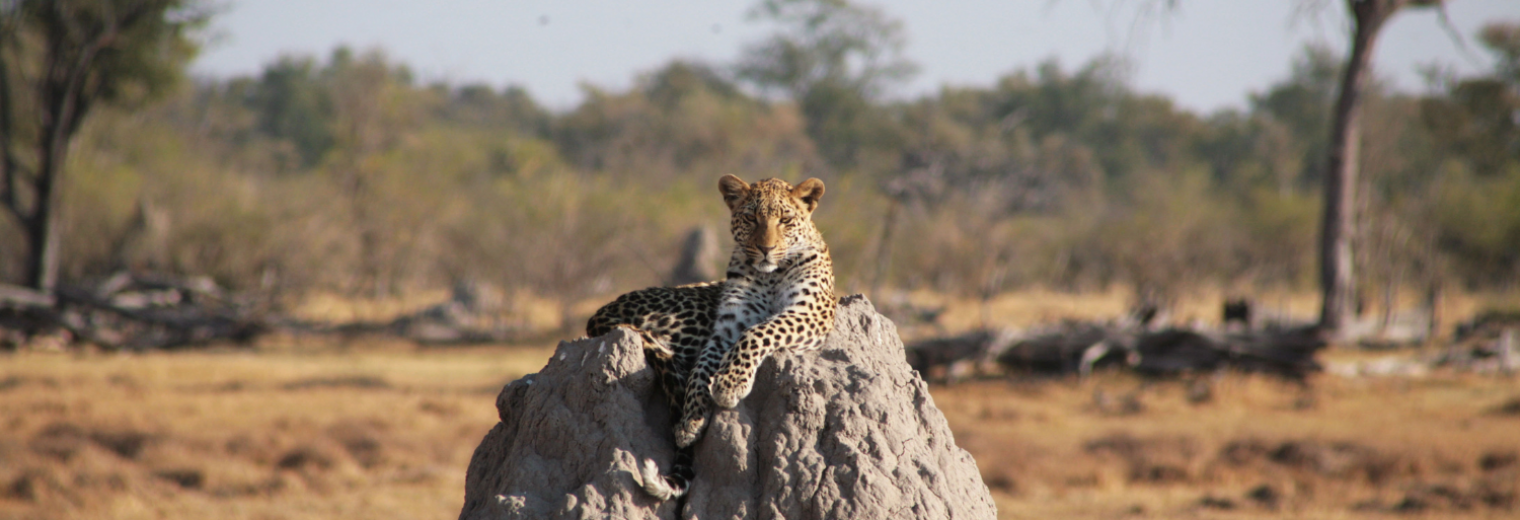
x,y
140,324
951,359
18,297
128,312
1081,347
1074,347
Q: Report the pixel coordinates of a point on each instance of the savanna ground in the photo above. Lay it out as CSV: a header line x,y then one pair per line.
x,y
367,428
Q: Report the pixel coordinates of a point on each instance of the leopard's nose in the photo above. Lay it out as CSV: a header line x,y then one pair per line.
x,y
765,250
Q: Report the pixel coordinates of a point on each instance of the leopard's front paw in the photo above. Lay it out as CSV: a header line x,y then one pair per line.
x,y
729,387
689,429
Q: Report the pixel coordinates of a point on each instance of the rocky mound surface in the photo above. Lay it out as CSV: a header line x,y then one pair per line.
x,y
849,431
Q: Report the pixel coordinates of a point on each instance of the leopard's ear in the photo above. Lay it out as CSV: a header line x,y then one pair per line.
x,y
733,190
809,192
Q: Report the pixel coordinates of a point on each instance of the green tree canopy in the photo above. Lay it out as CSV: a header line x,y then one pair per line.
x,y
833,58
58,59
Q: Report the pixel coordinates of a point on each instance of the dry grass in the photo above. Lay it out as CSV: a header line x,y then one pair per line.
x,y
1033,307
1118,446
388,432
530,311
338,308
375,429
337,434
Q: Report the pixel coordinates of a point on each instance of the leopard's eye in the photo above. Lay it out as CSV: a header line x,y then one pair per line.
x,y
786,221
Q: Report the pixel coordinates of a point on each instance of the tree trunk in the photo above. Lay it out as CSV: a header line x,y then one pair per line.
x,y
1337,280
42,237
67,40
884,249
42,226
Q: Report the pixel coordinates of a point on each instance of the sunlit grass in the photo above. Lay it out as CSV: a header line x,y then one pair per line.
x,y
308,427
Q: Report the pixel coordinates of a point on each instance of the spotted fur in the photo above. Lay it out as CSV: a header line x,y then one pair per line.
x,y
707,340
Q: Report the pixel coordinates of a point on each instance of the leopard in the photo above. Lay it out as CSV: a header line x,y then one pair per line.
x,y
706,341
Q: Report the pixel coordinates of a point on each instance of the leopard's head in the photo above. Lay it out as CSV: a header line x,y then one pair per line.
x,y
771,219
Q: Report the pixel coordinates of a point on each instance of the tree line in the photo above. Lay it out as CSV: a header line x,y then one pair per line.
x,y
346,173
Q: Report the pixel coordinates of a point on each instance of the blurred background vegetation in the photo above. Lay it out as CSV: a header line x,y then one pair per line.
x,y
345,174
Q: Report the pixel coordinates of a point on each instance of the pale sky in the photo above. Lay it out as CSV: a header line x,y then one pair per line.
x,y
1209,55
